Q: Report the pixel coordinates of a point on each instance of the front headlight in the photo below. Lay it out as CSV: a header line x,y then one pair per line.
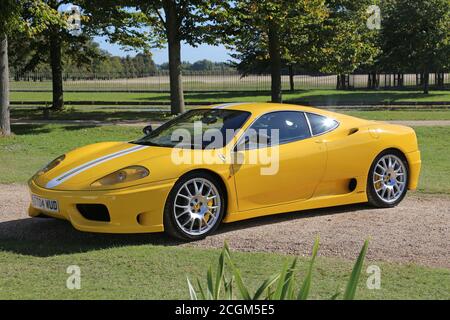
x,y
122,176
51,165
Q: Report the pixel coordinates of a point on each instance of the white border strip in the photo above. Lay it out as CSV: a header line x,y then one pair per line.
x,y
226,105
76,171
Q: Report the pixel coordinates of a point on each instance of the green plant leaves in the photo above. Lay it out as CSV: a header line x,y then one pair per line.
x,y
192,292
304,290
279,286
265,286
352,284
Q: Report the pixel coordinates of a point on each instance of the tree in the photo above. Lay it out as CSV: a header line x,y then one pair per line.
x,y
57,43
5,126
202,65
174,22
144,63
347,42
9,20
14,16
263,32
47,46
415,36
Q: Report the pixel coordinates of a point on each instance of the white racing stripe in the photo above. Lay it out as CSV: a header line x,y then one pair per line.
x,y
88,165
226,105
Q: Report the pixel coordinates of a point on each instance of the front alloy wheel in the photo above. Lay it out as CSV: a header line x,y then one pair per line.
x,y
194,208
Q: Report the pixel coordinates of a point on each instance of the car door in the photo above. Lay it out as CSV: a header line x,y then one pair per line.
x,y
350,153
288,167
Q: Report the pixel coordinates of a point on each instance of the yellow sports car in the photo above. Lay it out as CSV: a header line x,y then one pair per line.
x,y
227,163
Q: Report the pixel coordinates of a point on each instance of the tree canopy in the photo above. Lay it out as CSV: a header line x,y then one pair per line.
x,y
416,35
265,33
29,17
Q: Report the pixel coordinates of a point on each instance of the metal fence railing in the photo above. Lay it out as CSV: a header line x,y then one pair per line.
x,y
386,81
207,81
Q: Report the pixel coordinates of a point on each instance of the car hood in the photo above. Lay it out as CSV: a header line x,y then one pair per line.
x,y
83,166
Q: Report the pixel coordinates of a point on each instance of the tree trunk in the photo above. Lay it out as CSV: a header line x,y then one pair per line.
x,y
419,79
342,82
401,80
5,126
440,80
426,82
372,82
56,65
275,63
174,44
376,80
291,78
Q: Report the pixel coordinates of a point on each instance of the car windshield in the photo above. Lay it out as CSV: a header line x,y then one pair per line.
x,y
198,129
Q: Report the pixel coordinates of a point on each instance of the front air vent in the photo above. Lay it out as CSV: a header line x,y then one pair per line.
x,y
94,212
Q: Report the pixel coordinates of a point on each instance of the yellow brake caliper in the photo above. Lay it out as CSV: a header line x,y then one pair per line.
x,y
208,215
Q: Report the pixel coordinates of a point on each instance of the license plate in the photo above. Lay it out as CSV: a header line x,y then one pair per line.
x,y
44,204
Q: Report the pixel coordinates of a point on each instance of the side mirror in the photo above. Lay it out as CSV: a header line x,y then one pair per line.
x,y
147,130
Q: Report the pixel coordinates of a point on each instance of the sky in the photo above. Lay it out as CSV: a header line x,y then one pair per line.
x,y
188,53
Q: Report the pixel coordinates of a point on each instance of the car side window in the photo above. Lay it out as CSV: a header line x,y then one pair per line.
x,y
290,126
320,124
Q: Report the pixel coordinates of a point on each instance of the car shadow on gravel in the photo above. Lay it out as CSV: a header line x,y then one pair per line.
x,y
291,216
45,237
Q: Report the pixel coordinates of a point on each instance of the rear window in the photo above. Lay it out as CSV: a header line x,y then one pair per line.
x,y
320,124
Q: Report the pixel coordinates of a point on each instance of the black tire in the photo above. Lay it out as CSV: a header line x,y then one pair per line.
x,y
373,198
170,224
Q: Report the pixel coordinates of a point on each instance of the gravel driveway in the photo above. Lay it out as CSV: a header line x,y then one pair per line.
x,y
418,231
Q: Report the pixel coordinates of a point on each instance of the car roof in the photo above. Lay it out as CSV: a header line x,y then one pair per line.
x,y
259,108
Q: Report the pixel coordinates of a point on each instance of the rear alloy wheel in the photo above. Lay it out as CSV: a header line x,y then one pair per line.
x,y
194,208
387,183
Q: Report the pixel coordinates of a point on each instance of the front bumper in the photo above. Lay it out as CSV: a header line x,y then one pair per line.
x,y
136,209
415,165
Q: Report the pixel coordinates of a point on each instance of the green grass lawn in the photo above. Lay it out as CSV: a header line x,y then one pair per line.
x,y
320,97
117,270
434,145
386,115
141,113
95,113
33,146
